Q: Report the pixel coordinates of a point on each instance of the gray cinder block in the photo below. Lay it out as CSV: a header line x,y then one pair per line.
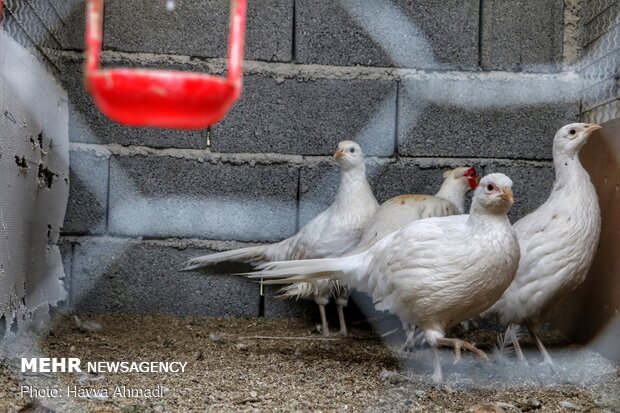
x,y
601,24
602,70
120,277
27,18
47,16
595,8
602,65
309,117
603,92
601,48
404,33
522,35
164,196
531,185
88,193
196,28
475,117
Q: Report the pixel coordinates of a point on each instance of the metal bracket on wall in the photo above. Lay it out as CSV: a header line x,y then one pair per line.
x,y
160,98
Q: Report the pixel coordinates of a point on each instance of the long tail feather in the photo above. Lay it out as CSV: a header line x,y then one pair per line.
x,y
294,278
287,272
249,254
298,290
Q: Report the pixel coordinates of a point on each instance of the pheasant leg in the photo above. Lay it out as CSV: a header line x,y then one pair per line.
x,y
324,325
343,322
437,374
458,344
515,342
542,349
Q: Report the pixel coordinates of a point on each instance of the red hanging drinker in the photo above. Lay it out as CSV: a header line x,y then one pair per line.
x,y
162,98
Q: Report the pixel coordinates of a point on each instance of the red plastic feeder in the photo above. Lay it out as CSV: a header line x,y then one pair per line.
x,y
160,98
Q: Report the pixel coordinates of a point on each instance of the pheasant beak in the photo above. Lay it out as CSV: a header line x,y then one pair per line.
x,y
592,127
507,195
339,154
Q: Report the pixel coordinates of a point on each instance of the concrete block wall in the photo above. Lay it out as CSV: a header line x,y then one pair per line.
x,y
423,85
600,67
33,24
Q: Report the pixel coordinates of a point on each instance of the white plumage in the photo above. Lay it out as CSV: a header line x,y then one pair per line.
x,y
330,234
402,210
558,240
435,272
392,215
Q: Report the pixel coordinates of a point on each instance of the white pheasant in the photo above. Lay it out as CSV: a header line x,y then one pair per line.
x,y
394,214
435,272
558,241
398,212
330,234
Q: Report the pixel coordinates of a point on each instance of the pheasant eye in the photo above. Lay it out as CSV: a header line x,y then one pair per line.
x,y
490,187
572,131
352,150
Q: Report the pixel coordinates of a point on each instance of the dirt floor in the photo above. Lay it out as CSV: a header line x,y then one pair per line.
x,y
284,365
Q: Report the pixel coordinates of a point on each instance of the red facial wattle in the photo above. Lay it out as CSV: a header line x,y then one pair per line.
x,y
472,177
